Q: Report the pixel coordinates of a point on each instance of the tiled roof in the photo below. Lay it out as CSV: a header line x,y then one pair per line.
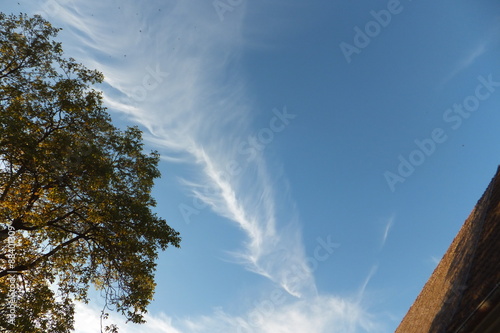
x,y
463,287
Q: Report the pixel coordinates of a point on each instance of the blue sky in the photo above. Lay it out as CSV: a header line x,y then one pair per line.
x,y
318,157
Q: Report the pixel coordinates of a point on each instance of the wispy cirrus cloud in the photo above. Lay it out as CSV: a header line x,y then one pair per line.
x,y
387,229
197,108
321,314
173,68
466,61
474,53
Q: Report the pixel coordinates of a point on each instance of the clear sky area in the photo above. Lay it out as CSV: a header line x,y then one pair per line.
x,y
318,157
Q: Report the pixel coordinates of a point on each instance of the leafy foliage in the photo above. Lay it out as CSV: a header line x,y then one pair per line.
x,y
75,202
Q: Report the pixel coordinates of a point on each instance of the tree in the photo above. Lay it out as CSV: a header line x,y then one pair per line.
x,y
75,191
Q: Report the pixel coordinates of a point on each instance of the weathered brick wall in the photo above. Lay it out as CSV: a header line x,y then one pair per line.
x,y
466,274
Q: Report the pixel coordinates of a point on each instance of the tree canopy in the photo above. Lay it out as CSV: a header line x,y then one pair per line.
x,y
75,191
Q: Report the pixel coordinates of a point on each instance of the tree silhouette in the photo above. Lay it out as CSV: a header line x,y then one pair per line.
x,y
75,202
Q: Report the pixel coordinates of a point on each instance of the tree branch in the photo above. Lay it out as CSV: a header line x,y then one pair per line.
x,y
11,182
21,268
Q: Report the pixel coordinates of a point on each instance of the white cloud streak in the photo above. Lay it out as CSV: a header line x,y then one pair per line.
x,y
490,38
322,314
387,229
196,106
466,61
